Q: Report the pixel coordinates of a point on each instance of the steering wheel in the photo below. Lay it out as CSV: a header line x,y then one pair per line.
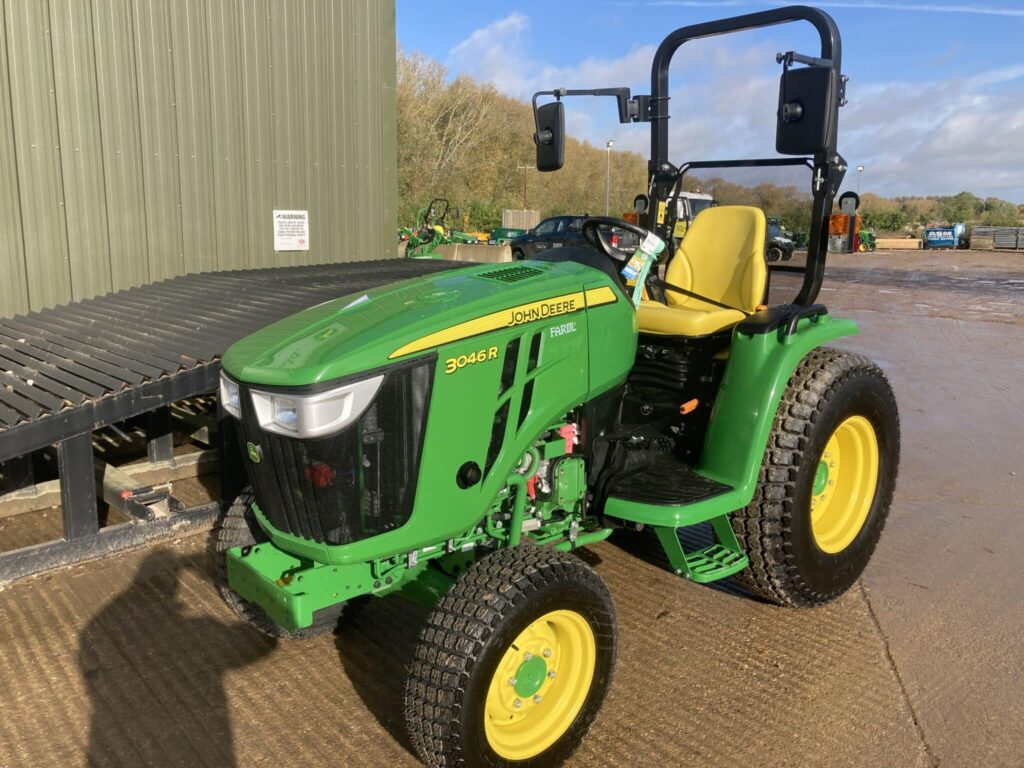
x,y
591,229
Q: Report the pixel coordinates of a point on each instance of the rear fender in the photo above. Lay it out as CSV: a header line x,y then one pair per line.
x,y
760,366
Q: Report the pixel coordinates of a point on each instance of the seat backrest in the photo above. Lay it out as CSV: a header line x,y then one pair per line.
x,y
721,257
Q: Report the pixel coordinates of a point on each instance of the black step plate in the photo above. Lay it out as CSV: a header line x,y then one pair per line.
x,y
666,481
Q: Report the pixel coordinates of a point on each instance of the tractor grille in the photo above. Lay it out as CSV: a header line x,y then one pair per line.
x,y
351,485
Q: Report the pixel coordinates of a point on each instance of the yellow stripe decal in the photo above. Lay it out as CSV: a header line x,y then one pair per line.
x,y
598,296
507,318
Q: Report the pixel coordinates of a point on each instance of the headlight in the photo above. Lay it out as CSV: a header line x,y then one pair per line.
x,y
314,415
286,413
229,396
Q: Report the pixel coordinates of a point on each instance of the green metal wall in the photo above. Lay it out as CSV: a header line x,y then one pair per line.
x,y
141,139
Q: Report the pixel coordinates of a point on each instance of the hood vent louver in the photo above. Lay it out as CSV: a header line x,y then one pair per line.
x,y
512,274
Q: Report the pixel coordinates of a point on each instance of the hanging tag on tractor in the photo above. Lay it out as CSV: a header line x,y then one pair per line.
x,y
640,263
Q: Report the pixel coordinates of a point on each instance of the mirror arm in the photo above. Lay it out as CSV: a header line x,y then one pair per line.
x,y
788,59
631,109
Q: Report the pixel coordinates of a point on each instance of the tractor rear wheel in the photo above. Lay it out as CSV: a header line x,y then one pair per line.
x,y
774,253
237,527
826,481
513,663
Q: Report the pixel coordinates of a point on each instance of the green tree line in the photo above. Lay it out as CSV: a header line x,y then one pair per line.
x,y
462,140
905,214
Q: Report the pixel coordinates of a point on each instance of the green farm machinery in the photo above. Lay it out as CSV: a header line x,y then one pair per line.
x,y
867,240
456,437
434,227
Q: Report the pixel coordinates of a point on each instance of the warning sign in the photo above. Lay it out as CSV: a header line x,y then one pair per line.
x,y
291,230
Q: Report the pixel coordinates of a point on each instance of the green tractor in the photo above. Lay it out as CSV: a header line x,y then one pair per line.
x,y
454,438
867,240
433,229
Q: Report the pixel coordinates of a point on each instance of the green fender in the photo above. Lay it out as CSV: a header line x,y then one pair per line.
x,y
760,366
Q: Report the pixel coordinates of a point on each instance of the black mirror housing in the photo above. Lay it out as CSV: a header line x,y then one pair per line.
x,y
805,111
550,136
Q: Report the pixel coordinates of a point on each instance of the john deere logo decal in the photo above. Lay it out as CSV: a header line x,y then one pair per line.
x,y
511,317
255,452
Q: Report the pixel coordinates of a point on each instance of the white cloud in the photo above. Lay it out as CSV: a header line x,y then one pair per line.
x,y
872,5
928,8
491,53
939,137
914,138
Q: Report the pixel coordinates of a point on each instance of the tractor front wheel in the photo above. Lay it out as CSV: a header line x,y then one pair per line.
x,y
513,663
237,527
826,481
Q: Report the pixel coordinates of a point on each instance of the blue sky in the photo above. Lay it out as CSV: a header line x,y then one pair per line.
x,y
936,88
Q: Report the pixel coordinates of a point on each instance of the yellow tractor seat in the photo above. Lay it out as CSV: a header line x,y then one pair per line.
x,y
721,257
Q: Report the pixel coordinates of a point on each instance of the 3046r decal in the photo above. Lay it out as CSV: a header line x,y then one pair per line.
x,y
452,364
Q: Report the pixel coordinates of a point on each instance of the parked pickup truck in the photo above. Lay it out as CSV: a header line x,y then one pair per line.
x,y
558,232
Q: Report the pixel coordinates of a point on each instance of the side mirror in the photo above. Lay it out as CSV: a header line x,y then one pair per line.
x,y
805,110
641,203
550,136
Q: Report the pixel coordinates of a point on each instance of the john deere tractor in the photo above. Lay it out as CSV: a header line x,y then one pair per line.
x,y
456,437
433,229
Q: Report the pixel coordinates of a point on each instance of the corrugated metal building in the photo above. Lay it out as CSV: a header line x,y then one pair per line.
x,y
141,139
987,238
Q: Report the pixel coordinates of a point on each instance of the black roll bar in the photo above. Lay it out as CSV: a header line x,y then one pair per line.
x,y
829,167
831,51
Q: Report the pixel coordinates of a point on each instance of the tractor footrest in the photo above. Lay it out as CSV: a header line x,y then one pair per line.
x,y
714,562
666,481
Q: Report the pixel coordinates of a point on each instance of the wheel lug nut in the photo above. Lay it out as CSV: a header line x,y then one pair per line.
x,y
547,653
536,699
512,681
517,703
527,655
551,675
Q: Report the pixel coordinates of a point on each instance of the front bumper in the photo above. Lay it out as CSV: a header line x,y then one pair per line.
x,y
291,590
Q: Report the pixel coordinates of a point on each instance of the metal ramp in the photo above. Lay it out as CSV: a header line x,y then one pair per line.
x,y
73,369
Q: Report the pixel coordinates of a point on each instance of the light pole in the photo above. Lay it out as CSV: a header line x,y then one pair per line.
x,y
524,168
860,170
607,173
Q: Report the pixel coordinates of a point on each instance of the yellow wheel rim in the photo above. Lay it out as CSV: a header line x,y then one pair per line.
x,y
540,685
844,484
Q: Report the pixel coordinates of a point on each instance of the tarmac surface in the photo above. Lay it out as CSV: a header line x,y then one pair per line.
x,y
133,660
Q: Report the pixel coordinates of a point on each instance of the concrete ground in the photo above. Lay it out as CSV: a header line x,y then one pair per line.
x,y
133,660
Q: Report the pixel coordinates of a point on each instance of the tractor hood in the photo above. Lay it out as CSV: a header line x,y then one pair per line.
x,y
361,332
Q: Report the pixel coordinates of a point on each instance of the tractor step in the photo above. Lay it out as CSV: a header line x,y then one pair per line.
x,y
715,561
666,481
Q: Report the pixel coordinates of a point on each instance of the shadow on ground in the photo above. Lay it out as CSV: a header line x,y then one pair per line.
x,y
376,649
154,672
